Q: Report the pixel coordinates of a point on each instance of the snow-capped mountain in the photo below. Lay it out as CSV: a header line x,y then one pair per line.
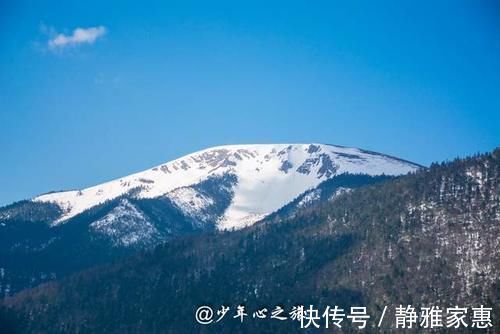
x,y
267,178
226,187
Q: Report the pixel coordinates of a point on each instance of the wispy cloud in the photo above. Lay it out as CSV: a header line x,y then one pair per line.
x,y
79,36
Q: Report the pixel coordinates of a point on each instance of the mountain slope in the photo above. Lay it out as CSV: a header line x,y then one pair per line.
x,y
268,177
326,191
425,239
219,188
33,251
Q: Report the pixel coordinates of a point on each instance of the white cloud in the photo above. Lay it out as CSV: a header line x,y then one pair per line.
x,y
79,36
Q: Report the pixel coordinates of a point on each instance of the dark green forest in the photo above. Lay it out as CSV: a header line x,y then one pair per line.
x,y
428,238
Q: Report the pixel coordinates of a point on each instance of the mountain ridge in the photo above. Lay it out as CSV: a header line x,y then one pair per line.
x,y
222,188
426,239
257,162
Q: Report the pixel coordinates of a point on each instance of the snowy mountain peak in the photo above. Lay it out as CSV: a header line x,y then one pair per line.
x,y
268,176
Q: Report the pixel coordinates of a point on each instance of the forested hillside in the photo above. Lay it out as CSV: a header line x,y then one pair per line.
x,y
425,239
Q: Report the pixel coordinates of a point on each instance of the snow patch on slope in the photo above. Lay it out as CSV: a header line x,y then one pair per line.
x,y
310,197
191,202
125,225
338,192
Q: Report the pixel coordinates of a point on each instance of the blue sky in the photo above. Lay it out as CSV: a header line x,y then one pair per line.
x,y
157,80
